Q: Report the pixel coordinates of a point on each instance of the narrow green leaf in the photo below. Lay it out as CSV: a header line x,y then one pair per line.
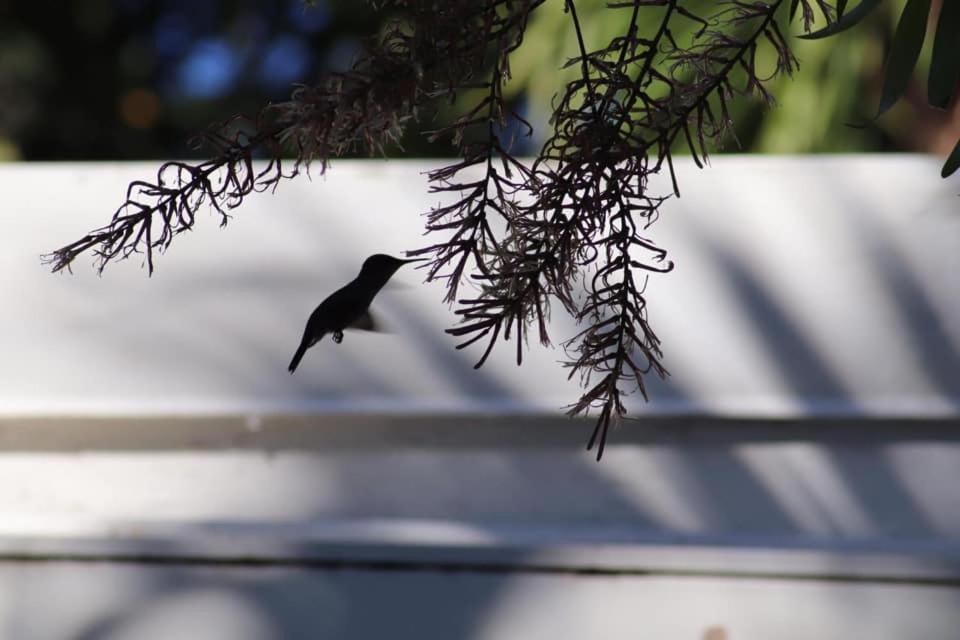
x,y
945,65
844,22
952,163
907,42
793,8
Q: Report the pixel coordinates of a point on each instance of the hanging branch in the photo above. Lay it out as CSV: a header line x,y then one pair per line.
x,y
472,245
363,110
615,126
571,228
156,212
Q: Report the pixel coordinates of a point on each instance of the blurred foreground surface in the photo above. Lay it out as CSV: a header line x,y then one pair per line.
x,y
160,472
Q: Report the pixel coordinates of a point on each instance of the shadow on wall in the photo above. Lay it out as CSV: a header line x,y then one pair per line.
x,y
836,485
836,493
284,602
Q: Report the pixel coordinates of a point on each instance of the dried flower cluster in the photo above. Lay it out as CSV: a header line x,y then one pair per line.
x,y
570,228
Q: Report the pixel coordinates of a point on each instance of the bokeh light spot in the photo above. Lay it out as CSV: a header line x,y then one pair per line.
x,y
209,70
286,61
171,34
139,108
310,17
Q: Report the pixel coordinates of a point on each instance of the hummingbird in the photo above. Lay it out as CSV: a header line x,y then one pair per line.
x,y
349,306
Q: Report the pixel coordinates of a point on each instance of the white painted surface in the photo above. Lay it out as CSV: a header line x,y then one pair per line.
x,y
665,490
124,602
805,288
818,286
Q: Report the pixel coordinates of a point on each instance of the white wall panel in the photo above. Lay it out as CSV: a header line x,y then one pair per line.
x,y
795,477
822,285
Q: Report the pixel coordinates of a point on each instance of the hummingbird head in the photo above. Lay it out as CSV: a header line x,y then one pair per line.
x,y
380,266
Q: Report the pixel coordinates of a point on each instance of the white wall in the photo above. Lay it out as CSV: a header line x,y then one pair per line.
x,y
817,286
160,470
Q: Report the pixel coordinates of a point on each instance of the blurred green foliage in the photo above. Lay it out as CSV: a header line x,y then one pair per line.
x,y
828,106
134,79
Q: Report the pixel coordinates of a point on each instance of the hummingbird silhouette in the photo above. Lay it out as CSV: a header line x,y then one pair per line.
x,y
349,306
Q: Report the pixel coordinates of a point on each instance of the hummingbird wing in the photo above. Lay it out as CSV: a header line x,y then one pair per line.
x,y
366,322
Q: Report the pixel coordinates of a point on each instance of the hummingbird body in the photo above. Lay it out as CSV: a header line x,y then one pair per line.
x,y
348,307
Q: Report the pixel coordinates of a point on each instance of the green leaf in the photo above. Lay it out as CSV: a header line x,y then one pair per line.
x,y
845,21
945,64
907,42
952,163
793,8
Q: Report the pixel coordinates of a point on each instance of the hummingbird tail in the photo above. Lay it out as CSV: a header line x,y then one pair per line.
x,y
302,349
305,344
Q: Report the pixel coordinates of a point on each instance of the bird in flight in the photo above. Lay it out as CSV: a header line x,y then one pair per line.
x,y
349,306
